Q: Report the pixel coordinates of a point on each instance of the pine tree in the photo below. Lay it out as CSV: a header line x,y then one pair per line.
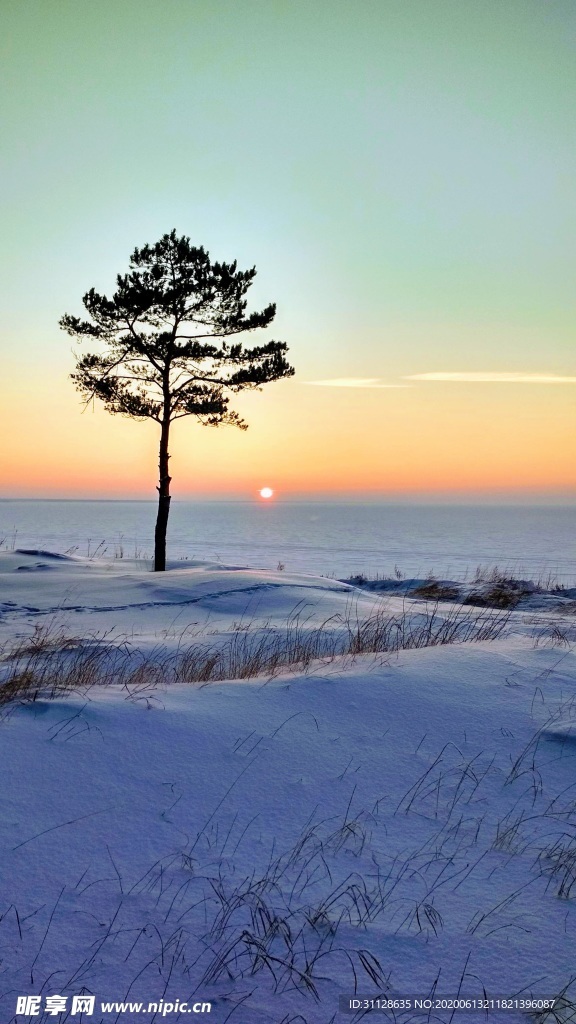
x,y
166,353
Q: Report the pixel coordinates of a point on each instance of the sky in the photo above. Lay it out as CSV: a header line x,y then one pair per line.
x,y
400,172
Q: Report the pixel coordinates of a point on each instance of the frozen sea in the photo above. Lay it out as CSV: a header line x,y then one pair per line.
x,y
326,538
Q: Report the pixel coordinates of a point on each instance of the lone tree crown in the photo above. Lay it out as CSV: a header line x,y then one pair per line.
x,y
165,357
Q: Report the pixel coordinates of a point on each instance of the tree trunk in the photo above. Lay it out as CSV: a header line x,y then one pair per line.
x,y
163,501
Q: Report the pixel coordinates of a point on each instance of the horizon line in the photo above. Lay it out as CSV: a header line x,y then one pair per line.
x,y
537,499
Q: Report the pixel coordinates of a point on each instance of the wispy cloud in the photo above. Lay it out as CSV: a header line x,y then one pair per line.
x,y
494,377
456,377
354,382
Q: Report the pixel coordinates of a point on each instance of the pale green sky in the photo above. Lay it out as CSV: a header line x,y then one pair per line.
x,y
401,172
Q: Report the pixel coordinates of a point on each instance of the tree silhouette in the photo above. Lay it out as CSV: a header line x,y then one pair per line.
x,y
164,355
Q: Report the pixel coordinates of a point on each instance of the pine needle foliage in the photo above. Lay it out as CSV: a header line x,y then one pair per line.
x,y
166,350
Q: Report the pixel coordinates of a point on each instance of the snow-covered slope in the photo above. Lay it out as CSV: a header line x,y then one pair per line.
x,y
37,587
387,824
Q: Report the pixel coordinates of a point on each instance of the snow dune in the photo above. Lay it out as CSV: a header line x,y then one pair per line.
x,y
402,824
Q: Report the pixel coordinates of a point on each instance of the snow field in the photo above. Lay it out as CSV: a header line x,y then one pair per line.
x,y
399,823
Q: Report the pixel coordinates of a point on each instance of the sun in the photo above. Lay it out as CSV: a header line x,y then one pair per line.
x,y
266,492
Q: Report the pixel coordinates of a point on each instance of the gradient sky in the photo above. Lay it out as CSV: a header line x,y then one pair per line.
x,y
401,173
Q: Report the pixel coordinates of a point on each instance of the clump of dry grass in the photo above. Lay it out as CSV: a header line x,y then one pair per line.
x,y
486,587
558,861
51,662
503,593
563,1010
26,665
497,588
433,590
545,581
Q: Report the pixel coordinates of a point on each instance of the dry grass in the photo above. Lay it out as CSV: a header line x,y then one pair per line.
x,y
433,590
51,662
504,593
563,1011
307,916
545,581
486,587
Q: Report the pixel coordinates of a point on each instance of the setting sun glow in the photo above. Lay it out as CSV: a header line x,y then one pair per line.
x,y
419,171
